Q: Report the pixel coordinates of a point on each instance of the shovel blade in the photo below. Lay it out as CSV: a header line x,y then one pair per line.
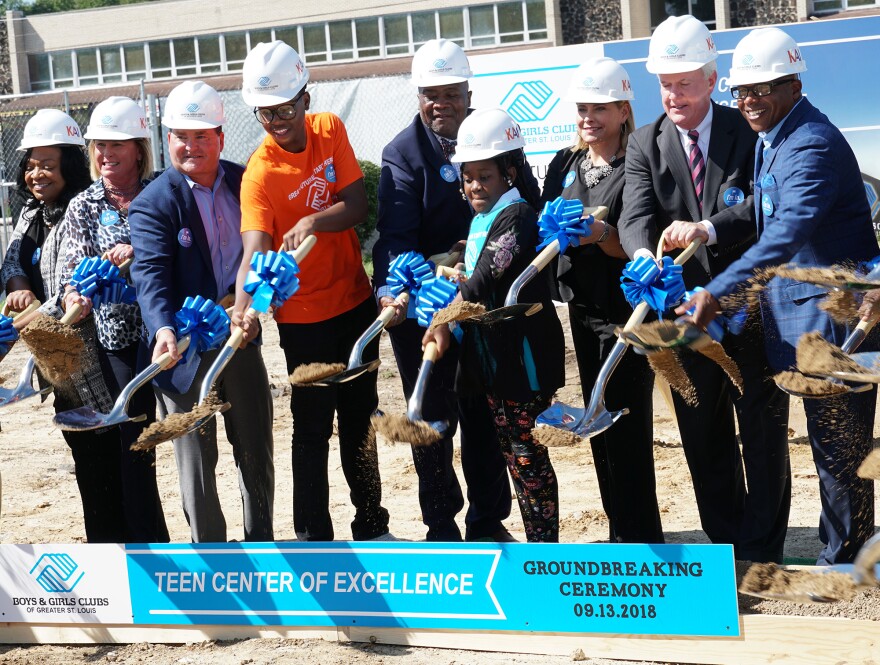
x,y
504,313
86,418
348,374
11,396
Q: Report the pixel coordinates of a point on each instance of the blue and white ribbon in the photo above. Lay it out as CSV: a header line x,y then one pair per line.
x,y
272,279
205,321
561,220
100,280
435,294
8,334
661,288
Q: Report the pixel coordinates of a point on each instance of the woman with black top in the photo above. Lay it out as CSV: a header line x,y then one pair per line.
x,y
53,169
589,281
517,364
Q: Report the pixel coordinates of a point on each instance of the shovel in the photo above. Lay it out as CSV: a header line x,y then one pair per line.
x,y
356,365
862,572
672,335
835,383
24,388
413,428
596,418
86,418
231,346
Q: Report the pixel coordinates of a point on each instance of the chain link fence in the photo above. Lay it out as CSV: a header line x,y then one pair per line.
x,y
373,110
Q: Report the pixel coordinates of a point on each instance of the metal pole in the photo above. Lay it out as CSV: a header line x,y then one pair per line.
x,y
155,132
66,102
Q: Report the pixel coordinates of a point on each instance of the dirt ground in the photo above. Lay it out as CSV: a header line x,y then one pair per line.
x,y
41,505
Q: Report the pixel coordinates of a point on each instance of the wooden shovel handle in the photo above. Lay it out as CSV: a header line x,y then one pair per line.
x,y
165,359
388,312
72,314
430,352
27,310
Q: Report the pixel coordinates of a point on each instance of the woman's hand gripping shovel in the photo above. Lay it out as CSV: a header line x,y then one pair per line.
x,y
10,323
406,273
824,585
55,344
657,288
271,282
202,325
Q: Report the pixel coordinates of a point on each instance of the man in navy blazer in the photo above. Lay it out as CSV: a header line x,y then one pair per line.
x,y
688,176
422,209
811,210
186,235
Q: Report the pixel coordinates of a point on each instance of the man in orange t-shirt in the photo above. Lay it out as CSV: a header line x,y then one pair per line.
x,y
303,180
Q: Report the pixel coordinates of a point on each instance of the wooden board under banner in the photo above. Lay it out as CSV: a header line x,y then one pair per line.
x,y
781,640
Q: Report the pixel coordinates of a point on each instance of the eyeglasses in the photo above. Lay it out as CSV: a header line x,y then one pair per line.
x,y
285,111
757,90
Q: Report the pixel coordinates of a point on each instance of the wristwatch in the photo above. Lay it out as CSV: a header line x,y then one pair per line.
x,y
605,232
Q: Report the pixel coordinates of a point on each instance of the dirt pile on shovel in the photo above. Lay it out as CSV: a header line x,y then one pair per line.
x,y
178,424
807,385
56,347
869,469
771,579
658,333
553,437
457,311
403,430
815,355
311,372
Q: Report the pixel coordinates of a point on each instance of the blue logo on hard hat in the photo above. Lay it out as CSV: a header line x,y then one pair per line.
x,y
469,139
529,101
672,49
56,573
733,195
439,63
107,119
192,108
588,81
264,81
748,59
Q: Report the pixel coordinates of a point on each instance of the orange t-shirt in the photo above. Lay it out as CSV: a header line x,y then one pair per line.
x,y
279,188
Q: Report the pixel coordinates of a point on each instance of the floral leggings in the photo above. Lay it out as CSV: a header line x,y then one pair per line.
x,y
529,466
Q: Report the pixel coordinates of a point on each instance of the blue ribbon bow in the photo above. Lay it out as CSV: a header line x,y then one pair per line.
x,y
435,294
8,334
407,272
99,279
661,288
561,220
272,279
205,321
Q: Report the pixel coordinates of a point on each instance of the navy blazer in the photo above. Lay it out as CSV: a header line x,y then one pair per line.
x,y
659,190
421,204
172,257
811,210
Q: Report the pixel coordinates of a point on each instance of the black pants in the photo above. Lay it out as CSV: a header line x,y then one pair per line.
x,y
142,507
483,465
754,522
840,430
623,454
353,402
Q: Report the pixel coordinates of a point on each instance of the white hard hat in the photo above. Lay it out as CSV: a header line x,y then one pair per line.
x,y
440,62
117,119
193,105
50,127
763,55
273,73
599,81
486,133
680,44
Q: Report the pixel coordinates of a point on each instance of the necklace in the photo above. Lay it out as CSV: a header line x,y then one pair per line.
x,y
120,199
593,174
122,192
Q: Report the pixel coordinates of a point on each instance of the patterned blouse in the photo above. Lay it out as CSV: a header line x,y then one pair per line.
x,y
91,232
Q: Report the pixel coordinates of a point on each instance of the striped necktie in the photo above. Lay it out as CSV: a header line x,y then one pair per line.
x,y
697,165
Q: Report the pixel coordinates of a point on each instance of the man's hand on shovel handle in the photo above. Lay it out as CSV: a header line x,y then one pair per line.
x,y
166,340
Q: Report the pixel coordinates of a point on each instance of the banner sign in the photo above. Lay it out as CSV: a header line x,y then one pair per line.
x,y
572,588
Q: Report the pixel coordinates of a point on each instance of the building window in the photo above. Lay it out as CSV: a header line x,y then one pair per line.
x,y
701,9
822,6
477,26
